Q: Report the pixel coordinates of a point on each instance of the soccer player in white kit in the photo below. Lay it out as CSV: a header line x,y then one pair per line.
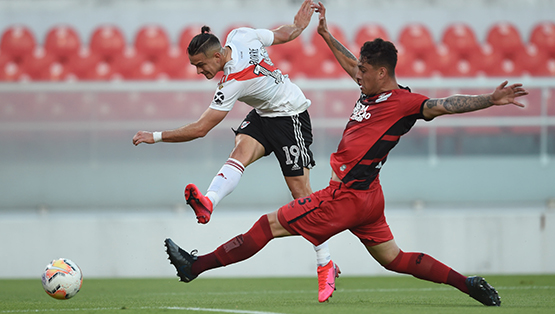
x,y
279,122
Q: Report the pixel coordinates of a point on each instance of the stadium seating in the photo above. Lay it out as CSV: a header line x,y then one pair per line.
x,y
369,32
504,38
461,40
62,42
417,39
107,41
152,41
107,55
17,41
543,37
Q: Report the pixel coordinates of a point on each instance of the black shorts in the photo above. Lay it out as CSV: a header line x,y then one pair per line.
x,y
289,138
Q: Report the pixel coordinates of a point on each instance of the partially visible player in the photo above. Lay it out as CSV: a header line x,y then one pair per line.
x,y
354,199
279,122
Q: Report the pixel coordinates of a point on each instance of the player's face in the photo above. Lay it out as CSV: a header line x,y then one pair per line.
x,y
207,66
368,78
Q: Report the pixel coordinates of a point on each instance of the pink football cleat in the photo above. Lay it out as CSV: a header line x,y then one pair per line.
x,y
200,203
326,280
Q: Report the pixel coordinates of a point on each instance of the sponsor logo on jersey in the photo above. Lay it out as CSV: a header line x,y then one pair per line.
x,y
383,97
359,112
219,98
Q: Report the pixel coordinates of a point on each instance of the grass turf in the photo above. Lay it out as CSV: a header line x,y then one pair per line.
x,y
395,294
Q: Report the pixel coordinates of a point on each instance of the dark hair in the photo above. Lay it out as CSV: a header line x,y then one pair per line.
x,y
379,53
203,42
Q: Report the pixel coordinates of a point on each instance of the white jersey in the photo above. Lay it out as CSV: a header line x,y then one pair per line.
x,y
251,77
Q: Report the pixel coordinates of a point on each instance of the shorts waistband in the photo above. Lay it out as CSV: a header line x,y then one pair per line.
x,y
341,186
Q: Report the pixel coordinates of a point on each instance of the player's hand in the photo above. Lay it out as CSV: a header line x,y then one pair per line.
x,y
504,95
322,25
143,137
302,18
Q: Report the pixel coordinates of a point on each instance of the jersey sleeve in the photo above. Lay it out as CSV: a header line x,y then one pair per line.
x,y
226,96
415,104
265,36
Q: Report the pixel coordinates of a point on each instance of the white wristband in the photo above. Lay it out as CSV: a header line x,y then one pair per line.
x,y
157,136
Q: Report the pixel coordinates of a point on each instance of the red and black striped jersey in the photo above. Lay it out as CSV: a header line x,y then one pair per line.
x,y
374,128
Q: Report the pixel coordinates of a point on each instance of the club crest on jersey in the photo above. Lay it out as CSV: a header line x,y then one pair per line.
x,y
359,112
245,124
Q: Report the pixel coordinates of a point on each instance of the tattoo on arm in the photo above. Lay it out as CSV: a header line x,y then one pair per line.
x,y
344,51
461,103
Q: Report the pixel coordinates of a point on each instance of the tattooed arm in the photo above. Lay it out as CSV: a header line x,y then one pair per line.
x,y
345,58
503,95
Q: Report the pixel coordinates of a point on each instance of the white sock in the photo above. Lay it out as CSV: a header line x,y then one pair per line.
x,y
225,181
323,256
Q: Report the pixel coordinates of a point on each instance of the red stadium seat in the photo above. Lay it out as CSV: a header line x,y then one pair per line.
x,y
152,41
460,39
9,69
107,41
412,65
17,41
62,41
536,62
417,39
451,64
543,36
368,32
54,72
35,64
505,39
491,62
82,63
147,70
176,65
126,62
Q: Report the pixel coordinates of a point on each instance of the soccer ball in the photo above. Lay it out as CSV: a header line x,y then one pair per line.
x,y
62,279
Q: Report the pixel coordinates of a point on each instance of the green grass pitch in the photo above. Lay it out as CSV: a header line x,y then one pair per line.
x,y
393,294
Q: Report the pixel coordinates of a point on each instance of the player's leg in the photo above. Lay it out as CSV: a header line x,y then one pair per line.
x,y
248,148
246,151
425,267
237,249
327,270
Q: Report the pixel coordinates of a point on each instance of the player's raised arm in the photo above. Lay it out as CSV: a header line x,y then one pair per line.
x,y
502,95
346,59
289,32
207,121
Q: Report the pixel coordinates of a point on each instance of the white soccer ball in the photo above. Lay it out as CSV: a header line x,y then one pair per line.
x,y
62,279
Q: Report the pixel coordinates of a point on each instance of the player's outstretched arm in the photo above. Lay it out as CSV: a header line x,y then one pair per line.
x,y
346,59
207,121
502,95
287,33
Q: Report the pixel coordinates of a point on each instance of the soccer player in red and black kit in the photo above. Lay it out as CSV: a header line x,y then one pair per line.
x,y
354,200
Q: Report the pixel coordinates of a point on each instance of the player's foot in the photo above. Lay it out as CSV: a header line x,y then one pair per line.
x,y
182,260
482,291
200,203
326,280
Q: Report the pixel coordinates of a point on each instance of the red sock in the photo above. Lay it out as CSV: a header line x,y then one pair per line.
x,y
425,267
237,249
